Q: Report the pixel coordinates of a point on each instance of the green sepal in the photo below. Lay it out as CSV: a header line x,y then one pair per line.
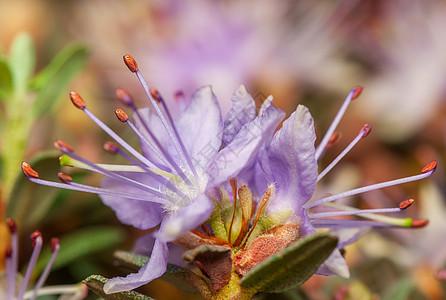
x,y
53,80
96,283
292,266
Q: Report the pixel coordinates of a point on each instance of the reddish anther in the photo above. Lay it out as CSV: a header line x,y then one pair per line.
x,y
334,139
156,94
54,244
366,129
406,203
111,147
124,96
62,146
28,171
356,92
8,252
130,62
11,225
122,116
417,223
77,100
36,234
65,178
179,95
429,167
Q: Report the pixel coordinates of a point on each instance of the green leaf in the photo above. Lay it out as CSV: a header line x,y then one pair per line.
x,y
53,80
22,59
400,290
292,266
96,284
5,80
81,243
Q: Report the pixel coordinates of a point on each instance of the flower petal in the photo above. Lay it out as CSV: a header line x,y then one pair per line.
x,y
241,152
200,127
153,269
144,246
243,111
187,218
290,161
334,265
140,214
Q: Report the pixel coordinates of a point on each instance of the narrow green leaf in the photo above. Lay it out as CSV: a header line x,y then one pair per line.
x,y
22,59
5,80
96,284
292,266
53,80
400,290
81,243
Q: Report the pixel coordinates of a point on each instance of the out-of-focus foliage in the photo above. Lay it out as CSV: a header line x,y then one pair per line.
x,y
26,98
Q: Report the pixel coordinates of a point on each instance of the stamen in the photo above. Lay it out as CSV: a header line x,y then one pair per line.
x,y
65,178
179,147
12,263
111,133
340,224
28,171
418,223
269,194
65,160
400,222
160,175
233,183
130,62
36,238
124,97
110,174
77,100
156,95
161,153
122,116
245,197
206,230
362,134
54,250
334,139
354,93
78,291
428,171
402,206
70,185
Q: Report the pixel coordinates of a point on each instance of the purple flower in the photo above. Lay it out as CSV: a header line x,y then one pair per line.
x,y
290,163
186,175
181,159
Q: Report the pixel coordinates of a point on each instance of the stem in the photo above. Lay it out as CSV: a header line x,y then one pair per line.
x,y
233,290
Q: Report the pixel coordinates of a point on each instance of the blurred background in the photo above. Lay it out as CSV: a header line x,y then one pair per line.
x,y
301,52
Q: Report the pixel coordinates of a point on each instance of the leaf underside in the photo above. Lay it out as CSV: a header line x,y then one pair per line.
x,y
96,284
291,267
